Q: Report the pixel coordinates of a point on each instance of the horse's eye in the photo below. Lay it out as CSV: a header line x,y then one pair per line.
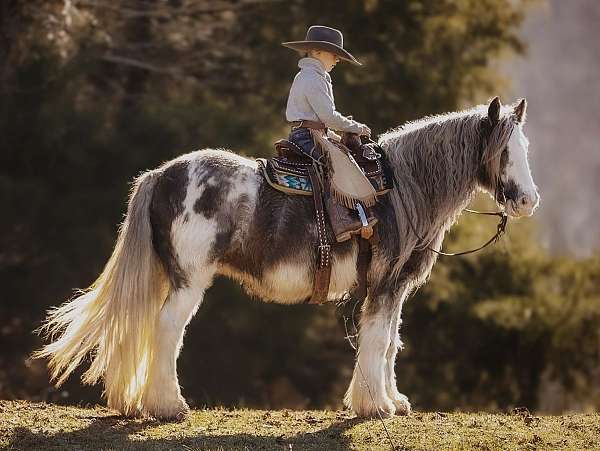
x,y
504,158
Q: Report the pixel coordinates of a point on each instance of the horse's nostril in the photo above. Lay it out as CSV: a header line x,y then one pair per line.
x,y
524,200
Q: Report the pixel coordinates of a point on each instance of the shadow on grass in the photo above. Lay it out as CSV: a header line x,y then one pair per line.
x,y
114,433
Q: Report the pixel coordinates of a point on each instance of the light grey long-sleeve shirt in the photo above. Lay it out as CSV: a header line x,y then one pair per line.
x,y
311,98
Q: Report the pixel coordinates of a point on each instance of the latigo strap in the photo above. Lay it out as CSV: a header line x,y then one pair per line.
x,y
323,274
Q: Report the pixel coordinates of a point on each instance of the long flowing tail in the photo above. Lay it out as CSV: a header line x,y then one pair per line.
x,y
114,319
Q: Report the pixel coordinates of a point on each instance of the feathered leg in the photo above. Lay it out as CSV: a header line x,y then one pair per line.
x,y
162,396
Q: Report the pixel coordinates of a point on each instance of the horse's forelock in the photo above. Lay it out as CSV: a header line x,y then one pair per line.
x,y
494,143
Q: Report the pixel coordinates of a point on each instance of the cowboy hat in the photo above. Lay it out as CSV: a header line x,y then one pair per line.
x,y
319,37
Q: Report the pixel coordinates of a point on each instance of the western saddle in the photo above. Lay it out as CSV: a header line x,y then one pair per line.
x,y
294,173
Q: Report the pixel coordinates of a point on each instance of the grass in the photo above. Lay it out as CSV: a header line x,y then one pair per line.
x,y
39,426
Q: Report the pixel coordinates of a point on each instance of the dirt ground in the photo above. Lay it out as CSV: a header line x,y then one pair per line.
x,y
39,426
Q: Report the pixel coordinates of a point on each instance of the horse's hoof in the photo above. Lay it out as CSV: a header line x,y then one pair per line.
x,y
402,405
173,416
183,415
383,413
178,411
382,410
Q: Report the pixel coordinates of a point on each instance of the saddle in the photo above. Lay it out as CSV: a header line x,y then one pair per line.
x,y
294,173
289,170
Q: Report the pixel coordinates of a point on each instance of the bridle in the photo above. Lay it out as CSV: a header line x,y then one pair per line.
x,y
500,230
499,197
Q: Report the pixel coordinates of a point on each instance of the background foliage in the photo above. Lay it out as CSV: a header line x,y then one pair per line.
x,y
95,91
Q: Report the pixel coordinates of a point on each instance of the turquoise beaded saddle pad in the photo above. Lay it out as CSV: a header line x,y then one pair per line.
x,y
290,174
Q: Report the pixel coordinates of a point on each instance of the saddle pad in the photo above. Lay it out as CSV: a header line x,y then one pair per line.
x,y
290,181
292,176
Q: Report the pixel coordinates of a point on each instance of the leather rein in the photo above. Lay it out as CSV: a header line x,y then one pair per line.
x,y
500,230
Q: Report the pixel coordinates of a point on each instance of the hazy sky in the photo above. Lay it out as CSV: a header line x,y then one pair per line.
x,y
560,77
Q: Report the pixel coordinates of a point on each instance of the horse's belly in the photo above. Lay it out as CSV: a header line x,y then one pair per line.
x,y
288,282
291,282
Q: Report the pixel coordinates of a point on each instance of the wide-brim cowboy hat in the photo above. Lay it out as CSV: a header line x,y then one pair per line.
x,y
319,37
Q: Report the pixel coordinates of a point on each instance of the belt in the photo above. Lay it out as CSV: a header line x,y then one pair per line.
x,y
308,124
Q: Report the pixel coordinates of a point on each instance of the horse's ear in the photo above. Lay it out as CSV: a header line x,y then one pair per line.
x,y
520,110
494,110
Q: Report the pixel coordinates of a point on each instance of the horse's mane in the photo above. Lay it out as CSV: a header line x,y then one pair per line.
x,y
436,161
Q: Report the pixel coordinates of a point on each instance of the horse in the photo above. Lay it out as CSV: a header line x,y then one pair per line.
x,y
210,213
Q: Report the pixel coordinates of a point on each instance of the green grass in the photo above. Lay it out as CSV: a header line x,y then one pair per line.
x,y
38,426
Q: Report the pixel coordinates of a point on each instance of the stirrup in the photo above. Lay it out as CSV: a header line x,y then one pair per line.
x,y
367,229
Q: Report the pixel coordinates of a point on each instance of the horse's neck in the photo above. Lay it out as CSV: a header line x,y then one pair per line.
x,y
445,208
445,187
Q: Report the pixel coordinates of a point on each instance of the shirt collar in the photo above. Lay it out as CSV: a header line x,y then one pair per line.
x,y
313,63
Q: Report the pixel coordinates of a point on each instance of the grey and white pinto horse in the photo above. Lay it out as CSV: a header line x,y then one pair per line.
x,y
210,213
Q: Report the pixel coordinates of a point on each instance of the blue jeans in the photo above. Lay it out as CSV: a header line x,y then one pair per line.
x,y
303,138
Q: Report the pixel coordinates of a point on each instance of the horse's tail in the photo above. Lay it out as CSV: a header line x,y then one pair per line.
x,y
114,319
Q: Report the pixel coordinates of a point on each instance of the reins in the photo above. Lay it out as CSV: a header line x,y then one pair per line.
x,y
500,230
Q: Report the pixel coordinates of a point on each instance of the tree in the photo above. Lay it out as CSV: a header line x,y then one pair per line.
x,y
95,91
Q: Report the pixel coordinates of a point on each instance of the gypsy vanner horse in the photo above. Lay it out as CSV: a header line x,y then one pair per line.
x,y
210,212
